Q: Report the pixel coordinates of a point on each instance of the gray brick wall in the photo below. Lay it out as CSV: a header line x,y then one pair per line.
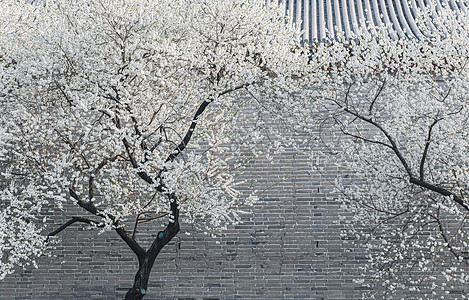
x,y
288,247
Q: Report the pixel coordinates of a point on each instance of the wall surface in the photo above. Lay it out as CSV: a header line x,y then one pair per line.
x,y
288,247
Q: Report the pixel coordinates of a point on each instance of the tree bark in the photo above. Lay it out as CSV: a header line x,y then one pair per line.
x,y
146,261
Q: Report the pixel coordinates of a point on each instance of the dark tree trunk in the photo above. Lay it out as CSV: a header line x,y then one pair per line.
x,y
146,261
139,289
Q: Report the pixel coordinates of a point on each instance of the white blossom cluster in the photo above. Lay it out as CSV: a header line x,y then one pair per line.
x,y
114,105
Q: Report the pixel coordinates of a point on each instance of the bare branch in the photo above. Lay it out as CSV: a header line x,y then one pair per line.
x,y
364,139
394,147
154,218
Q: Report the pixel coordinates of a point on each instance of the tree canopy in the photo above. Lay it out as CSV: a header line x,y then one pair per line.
x,y
133,110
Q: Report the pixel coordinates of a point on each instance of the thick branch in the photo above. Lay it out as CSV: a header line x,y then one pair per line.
x,y
185,141
70,222
440,191
189,132
427,145
90,187
89,206
134,163
199,111
130,241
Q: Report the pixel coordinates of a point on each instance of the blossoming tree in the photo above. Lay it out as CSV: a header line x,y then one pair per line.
x,y
132,110
394,117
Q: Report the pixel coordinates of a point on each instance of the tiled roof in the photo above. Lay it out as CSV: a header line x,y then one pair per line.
x,y
323,19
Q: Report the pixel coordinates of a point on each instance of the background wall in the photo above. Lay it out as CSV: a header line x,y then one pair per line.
x,y
288,247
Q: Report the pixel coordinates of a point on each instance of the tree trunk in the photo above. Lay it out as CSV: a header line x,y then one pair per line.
x,y
145,262
139,289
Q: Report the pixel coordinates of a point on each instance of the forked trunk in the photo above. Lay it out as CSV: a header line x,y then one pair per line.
x,y
146,261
